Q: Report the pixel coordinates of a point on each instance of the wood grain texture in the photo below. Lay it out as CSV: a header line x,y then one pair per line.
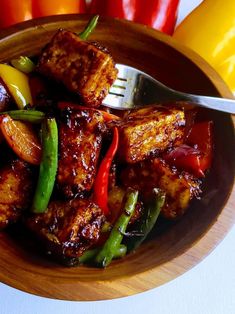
x,y
180,246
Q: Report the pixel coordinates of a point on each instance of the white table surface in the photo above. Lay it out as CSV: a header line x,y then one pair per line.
x,y
208,288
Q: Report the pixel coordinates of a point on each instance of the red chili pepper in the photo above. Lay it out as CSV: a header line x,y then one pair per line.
x,y
159,14
197,157
102,177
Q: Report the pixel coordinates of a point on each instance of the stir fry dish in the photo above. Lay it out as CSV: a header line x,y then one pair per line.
x,y
89,183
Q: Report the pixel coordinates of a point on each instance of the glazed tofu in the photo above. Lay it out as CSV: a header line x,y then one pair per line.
x,y
155,173
15,191
80,138
149,131
84,68
68,228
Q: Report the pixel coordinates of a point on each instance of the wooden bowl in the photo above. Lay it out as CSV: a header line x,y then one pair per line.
x,y
177,247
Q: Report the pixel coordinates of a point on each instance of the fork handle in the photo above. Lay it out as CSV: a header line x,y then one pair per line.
x,y
216,103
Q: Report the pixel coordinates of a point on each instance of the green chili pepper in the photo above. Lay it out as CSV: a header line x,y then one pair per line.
x,y
48,166
32,116
148,221
107,253
89,256
89,28
23,64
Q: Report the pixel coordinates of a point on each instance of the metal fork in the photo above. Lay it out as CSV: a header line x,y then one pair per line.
x,y
135,89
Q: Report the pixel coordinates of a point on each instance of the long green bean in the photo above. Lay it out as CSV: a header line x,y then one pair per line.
x,y
48,166
89,256
32,116
149,219
106,254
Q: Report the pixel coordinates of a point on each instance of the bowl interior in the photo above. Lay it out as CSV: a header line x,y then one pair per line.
x,y
153,263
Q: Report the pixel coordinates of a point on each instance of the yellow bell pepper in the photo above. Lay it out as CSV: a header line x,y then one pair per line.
x,y
210,31
17,84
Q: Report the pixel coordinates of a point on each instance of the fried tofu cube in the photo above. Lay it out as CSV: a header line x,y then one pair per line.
x,y
155,173
68,228
148,131
80,139
15,191
84,68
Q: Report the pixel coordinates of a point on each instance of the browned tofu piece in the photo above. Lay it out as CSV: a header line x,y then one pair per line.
x,y
68,228
148,131
80,137
179,188
84,68
15,191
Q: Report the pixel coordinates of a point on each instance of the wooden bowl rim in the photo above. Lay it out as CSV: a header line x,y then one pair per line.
x,y
225,219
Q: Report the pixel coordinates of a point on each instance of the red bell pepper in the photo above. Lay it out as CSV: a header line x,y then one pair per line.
x,y
102,178
195,155
201,137
159,14
15,11
186,158
115,8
